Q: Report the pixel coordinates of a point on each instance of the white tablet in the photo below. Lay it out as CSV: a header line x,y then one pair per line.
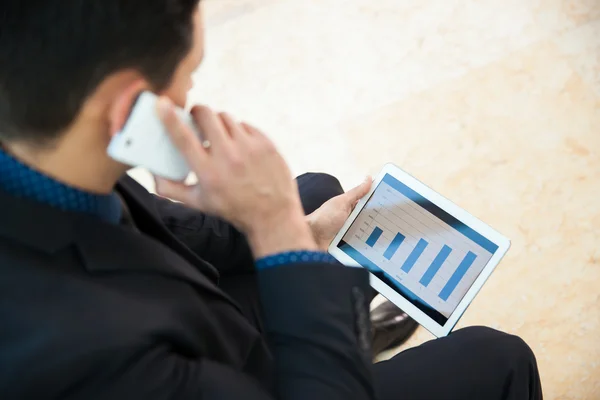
x,y
425,254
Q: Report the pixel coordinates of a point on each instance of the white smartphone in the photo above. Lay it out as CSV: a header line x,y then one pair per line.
x,y
144,141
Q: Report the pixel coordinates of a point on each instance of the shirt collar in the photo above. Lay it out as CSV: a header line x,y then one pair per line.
x,y
21,181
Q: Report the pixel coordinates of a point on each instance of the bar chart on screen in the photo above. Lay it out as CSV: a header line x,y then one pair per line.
x,y
432,259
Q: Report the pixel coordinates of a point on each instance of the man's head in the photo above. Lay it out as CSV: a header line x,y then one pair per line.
x,y
71,64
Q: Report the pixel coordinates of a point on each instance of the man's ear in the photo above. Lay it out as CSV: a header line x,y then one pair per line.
x,y
124,103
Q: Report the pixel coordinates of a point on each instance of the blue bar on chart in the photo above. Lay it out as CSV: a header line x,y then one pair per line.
x,y
457,276
375,235
435,265
393,247
414,255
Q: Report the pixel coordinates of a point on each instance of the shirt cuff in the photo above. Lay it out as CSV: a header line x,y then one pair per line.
x,y
295,257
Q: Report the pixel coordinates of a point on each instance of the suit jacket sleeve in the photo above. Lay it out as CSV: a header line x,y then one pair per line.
x,y
318,324
317,319
213,239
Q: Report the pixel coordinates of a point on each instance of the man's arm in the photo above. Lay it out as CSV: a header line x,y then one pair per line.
x,y
213,239
316,317
317,321
316,314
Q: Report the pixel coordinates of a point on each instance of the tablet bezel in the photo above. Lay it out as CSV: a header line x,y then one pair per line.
x,y
426,321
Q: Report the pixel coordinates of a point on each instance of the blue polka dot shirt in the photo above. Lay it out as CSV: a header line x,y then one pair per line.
x,y
294,257
22,181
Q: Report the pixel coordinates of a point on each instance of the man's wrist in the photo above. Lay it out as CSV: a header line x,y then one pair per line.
x,y
314,229
290,233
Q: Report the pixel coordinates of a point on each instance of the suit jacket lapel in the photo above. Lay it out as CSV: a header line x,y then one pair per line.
x,y
143,210
106,248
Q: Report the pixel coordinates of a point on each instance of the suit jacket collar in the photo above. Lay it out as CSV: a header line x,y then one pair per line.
x,y
36,225
49,230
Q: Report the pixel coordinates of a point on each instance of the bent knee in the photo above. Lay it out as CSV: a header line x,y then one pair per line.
x,y
321,177
316,188
510,348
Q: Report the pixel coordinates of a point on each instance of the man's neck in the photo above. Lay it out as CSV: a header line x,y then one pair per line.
x,y
74,161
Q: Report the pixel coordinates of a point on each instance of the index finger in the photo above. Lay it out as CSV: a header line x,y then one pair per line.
x,y
186,140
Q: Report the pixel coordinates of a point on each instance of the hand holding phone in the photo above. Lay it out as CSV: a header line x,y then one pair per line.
x,y
241,176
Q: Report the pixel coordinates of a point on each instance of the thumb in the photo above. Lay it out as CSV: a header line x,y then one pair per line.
x,y
354,195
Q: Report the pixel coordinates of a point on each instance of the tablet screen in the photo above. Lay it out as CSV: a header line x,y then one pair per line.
x,y
421,251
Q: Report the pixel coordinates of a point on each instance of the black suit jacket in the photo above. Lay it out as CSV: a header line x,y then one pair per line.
x,y
92,310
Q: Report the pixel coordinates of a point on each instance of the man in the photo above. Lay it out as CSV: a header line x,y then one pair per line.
x,y
109,292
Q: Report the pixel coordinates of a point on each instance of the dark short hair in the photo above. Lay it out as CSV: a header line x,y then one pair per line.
x,y
55,53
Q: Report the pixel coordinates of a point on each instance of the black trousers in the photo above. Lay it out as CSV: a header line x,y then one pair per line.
x,y
475,363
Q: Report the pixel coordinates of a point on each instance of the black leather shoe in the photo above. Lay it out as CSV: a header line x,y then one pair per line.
x,y
391,327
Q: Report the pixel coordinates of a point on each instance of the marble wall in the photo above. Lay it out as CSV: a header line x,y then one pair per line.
x,y
494,103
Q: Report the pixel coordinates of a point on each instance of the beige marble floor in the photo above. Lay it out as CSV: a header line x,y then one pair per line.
x,y
494,103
